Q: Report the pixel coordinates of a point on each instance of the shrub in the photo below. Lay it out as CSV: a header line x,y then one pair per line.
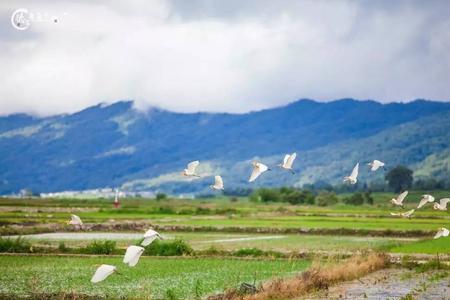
x,y
62,247
399,178
168,248
355,199
212,250
186,211
326,198
368,198
295,196
255,252
160,196
249,252
100,247
165,210
265,195
284,194
427,183
359,199
18,245
239,192
225,211
202,211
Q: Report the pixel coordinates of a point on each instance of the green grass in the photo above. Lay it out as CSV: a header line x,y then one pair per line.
x,y
185,278
102,208
382,221
429,246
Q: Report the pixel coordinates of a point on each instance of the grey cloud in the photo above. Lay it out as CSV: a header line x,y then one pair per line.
x,y
231,56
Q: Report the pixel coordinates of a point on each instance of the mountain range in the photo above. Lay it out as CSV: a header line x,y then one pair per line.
x,y
116,145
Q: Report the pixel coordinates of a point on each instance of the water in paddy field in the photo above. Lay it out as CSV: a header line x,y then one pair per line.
x,y
85,236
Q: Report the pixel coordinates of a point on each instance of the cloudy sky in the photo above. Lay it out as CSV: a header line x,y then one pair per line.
x,y
216,55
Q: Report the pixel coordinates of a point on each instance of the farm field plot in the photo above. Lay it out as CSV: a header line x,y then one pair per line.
x,y
181,278
380,222
324,222
231,241
56,210
428,246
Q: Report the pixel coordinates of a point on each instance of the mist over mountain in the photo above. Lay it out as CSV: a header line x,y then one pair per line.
x,y
116,145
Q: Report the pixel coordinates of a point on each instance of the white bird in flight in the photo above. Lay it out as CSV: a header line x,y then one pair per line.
x,y
288,161
425,199
190,170
399,199
218,183
149,236
353,178
132,255
442,205
75,221
258,169
375,165
102,272
406,214
442,232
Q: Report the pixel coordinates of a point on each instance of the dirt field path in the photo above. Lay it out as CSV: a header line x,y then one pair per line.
x,y
391,284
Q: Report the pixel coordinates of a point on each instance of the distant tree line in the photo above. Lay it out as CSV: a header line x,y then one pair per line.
x,y
301,196
397,179
284,194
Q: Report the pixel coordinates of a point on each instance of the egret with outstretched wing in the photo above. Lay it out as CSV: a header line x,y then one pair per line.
x,y
75,221
190,169
375,165
258,169
406,214
353,178
102,272
149,236
288,161
425,199
399,199
218,183
442,232
132,255
442,205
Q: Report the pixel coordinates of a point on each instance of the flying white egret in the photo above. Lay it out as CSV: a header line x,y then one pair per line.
x,y
442,232
75,221
258,169
132,255
442,205
425,199
288,161
218,183
102,272
399,199
190,170
353,178
149,236
375,165
406,214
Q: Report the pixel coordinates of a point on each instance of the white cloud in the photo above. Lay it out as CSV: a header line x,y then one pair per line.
x,y
222,56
